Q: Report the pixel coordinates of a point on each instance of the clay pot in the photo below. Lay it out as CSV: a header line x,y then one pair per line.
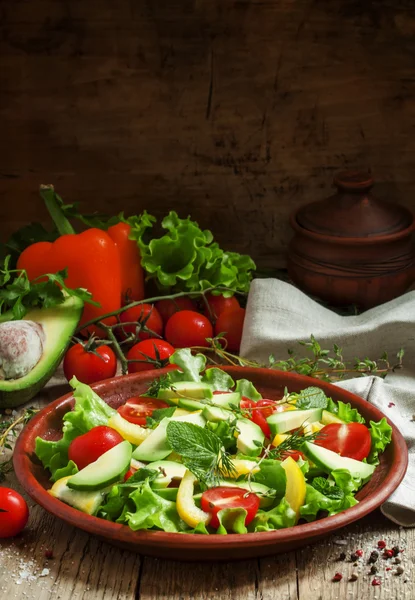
x,y
352,248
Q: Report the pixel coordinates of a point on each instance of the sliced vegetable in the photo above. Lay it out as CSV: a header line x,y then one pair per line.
x,y
296,487
186,507
350,439
219,498
137,409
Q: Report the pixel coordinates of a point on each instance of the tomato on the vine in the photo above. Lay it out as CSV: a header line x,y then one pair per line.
x,y
147,315
156,350
218,498
14,512
351,440
220,304
230,323
168,307
87,448
89,366
137,409
188,328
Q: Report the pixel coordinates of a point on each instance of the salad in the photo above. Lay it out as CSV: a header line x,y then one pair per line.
x,y
201,453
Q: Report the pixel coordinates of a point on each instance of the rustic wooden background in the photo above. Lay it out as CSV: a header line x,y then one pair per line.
x,y
235,111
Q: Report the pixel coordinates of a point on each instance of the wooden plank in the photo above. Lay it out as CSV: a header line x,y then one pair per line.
x,y
235,112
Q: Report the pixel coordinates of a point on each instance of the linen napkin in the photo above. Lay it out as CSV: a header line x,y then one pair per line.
x,y
279,315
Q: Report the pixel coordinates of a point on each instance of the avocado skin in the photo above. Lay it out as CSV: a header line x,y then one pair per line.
x,y
69,313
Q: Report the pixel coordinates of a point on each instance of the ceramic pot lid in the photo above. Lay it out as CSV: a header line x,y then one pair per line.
x,y
353,211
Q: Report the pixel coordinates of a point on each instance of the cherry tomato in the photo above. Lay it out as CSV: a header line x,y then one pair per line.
x,y
220,304
168,307
87,448
295,455
136,410
89,366
155,349
14,512
188,328
231,323
217,498
258,412
129,473
147,314
350,439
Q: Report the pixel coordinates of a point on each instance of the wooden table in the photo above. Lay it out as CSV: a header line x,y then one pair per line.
x,y
83,568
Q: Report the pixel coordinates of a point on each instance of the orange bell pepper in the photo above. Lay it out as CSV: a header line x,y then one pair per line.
x,y
132,274
93,262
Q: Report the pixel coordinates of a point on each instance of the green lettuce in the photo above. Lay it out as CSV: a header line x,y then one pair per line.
x,y
381,434
316,501
344,411
232,520
279,517
273,475
89,411
311,397
345,481
247,389
218,379
152,511
190,366
185,257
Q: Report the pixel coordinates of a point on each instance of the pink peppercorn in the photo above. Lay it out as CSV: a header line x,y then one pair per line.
x,y
388,553
381,544
359,553
337,577
376,581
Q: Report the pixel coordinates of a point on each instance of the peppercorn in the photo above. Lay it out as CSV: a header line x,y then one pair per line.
x,y
359,552
354,557
388,554
353,577
397,561
373,557
381,544
342,556
373,569
399,570
337,577
395,550
376,581
48,554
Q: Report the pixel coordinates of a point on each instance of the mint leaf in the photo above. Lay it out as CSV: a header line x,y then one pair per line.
x,y
201,451
311,397
330,490
247,389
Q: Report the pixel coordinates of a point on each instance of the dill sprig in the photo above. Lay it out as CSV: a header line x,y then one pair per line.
x,y
293,442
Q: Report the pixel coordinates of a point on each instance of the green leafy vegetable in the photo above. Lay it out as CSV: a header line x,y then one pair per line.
x,y
189,366
150,510
218,379
89,411
232,520
225,431
201,451
277,518
317,501
246,388
311,397
272,475
328,488
344,411
158,415
186,258
344,480
381,434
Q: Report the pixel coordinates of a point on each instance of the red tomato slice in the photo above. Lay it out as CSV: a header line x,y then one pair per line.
x,y
258,412
351,439
217,498
294,454
129,473
136,410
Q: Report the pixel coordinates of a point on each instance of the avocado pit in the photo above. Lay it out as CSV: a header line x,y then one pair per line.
x,y
21,348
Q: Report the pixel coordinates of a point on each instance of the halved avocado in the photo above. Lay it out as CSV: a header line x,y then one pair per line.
x,y
59,324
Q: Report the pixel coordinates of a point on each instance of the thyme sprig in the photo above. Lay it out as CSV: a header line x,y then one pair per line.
x,y
9,430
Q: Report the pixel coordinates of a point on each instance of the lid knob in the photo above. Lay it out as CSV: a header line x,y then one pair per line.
x,y
354,180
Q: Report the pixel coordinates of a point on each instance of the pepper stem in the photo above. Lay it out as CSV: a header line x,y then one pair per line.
x,y
52,204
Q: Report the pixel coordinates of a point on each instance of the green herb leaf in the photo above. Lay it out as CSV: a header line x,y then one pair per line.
x,y
218,379
201,451
311,397
327,488
158,415
190,366
246,388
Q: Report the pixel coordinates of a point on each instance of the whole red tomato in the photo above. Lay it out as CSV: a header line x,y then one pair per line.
x,y
14,512
188,328
231,323
89,366
87,448
219,304
168,307
158,350
148,315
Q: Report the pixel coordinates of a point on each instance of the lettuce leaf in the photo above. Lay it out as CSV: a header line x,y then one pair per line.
x,y
218,379
232,520
345,481
152,511
272,475
185,257
344,411
247,389
89,411
316,501
280,517
189,365
381,434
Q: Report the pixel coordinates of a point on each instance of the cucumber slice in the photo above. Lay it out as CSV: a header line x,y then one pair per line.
x,y
292,419
215,414
329,461
250,439
108,468
186,389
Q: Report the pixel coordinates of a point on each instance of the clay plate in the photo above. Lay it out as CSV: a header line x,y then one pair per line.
x,y
48,424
